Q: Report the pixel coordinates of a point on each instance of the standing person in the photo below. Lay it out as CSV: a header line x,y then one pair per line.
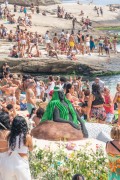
x,y
107,46
101,42
51,85
100,82
74,20
96,104
101,11
109,106
30,96
87,39
82,44
47,40
114,42
15,8
16,165
117,100
55,42
37,10
92,44
37,88
25,10
71,41
113,152
23,43
4,132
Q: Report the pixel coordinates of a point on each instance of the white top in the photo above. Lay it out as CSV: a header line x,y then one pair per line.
x,y
23,149
101,84
51,87
38,88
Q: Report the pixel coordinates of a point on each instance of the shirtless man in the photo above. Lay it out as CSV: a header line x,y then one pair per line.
x,y
17,82
30,97
9,89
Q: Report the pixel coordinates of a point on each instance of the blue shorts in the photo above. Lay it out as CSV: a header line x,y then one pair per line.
x,y
109,117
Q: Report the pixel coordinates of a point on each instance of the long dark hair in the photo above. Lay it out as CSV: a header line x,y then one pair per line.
x,y
96,91
78,176
68,87
4,121
19,128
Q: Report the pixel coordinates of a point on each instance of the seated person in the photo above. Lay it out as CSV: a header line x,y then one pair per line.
x,y
38,116
52,52
81,13
14,52
44,13
61,110
10,109
10,36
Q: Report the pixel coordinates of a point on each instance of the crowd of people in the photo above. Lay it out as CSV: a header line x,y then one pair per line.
x,y
28,44
92,101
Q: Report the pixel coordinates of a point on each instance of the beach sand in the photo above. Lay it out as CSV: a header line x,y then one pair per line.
x,y
42,23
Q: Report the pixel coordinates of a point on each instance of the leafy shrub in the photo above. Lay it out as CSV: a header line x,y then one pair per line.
x,y
62,164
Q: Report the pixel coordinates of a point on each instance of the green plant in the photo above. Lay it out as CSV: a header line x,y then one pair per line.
x,y
61,165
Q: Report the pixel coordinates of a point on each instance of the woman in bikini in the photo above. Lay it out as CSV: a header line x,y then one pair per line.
x,y
71,96
113,153
55,42
117,100
23,43
96,105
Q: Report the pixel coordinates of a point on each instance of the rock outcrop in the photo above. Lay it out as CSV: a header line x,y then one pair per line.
x,y
47,66
35,2
55,131
62,66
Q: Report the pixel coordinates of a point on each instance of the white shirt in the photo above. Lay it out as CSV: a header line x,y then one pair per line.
x,y
51,87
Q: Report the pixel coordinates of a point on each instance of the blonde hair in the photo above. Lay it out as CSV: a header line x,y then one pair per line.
x,y
115,133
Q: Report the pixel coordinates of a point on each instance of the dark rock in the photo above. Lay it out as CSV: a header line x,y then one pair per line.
x,y
55,131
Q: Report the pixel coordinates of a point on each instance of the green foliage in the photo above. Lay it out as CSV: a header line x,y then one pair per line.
x,y
62,165
110,28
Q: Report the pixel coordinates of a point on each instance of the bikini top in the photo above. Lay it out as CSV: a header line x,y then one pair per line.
x,y
114,160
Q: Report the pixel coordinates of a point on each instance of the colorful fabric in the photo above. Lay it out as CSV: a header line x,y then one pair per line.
x,y
98,113
114,167
64,112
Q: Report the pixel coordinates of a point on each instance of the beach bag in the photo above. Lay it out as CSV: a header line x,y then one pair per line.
x,y
23,106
